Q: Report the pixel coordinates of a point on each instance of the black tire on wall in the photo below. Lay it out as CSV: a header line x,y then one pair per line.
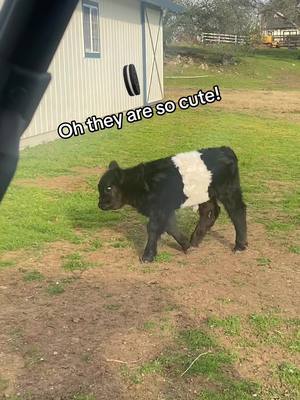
x,y
131,80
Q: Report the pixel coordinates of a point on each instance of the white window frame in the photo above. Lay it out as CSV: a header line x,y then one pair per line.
x,y
91,5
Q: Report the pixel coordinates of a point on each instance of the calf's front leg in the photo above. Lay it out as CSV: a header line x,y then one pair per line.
x,y
172,230
156,226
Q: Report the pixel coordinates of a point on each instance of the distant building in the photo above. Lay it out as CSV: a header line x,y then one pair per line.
x,y
276,24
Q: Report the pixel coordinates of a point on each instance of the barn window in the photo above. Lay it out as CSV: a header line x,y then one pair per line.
x,y
91,28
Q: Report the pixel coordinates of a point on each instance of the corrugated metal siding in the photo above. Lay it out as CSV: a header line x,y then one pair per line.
x,y
81,86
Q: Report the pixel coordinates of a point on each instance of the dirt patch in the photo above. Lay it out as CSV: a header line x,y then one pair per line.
x,y
278,188
64,183
89,171
277,104
89,337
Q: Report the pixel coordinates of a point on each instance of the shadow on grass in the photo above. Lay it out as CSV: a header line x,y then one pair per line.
x,y
86,215
279,54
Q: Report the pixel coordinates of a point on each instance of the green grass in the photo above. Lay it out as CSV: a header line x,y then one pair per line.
x,y
259,70
73,262
263,323
231,325
120,244
113,307
41,215
212,53
32,356
196,340
150,368
290,375
59,287
149,325
32,276
232,390
44,216
14,398
95,245
209,364
55,288
266,147
294,249
162,327
263,261
259,330
3,384
38,218
214,366
163,257
83,397
6,264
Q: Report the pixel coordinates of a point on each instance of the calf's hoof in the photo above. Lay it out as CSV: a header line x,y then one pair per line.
x,y
240,247
147,258
185,247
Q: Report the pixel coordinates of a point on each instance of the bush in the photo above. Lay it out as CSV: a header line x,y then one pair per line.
x,y
210,54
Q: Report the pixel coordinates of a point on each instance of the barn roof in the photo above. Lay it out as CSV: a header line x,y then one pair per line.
x,y
277,21
166,4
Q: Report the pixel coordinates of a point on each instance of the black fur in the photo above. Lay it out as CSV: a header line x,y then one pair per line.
x,y
155,189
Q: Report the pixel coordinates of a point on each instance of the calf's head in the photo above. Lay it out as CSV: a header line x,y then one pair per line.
x,y
109,187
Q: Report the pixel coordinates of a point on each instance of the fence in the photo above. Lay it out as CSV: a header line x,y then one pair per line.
x,y
287,40
222,38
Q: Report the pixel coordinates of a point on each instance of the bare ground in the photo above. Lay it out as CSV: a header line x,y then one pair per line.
x,y
87,338
274,104
64,183
79,341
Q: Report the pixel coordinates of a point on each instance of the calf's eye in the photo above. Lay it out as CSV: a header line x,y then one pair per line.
x,y
108,188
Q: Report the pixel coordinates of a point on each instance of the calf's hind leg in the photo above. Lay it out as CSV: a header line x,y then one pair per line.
x,y
177,235
209,213
236,209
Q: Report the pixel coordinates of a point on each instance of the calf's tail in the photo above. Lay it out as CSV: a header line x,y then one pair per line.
x,y
231,161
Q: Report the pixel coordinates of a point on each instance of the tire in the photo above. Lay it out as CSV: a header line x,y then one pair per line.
x,y
131,80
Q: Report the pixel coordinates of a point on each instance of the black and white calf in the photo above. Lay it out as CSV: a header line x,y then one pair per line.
x,y
158,188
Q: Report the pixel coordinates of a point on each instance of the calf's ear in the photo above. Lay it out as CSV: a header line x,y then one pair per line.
x,y
121,176
119,173
113,165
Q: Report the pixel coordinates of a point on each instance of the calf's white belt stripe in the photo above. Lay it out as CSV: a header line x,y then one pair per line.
x,y
196,177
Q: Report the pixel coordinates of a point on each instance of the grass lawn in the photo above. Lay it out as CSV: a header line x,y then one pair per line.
x,y
262,69
269,166
54,198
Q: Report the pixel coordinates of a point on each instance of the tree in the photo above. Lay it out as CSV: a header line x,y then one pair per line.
x,y
218,16
289,8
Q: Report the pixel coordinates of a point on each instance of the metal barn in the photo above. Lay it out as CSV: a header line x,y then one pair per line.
x,y
87,70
